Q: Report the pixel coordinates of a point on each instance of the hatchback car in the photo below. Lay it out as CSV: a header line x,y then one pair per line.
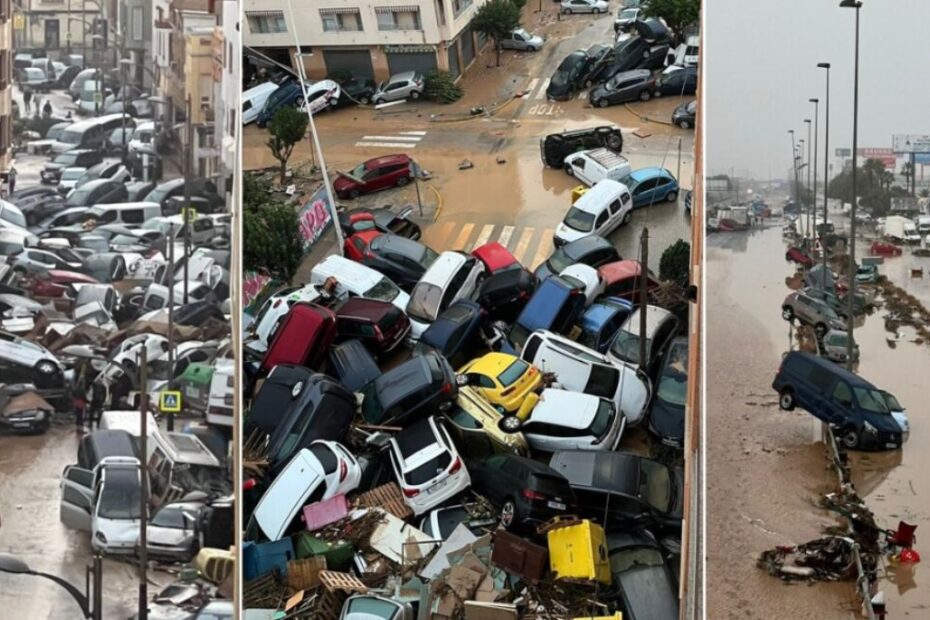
x,y
84,158
623,279
623,87
407,84
591,250
564,420
504,294
626,17
661,327
402,260
583,6
172,531
378,324
677,83
427,465
555,305
505,380
636,558
601,321
479,429
834,346
303,337
565,78
650,186
667,420
452,276
527,491
520,39
373,175
811,311
456,332
421,385
496,258
599,211
684,115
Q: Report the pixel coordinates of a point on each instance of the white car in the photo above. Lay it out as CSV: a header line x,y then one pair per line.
x,y
584,6
18,353
321,94
172,531
69,178
661,327
319,472
357,280
599,211
452,276
581,369
520,39
587,277
563,420
427,465
625,17
273,311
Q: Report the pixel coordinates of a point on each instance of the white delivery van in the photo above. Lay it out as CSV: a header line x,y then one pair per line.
x,y
598,211
220,405
595,165
253,100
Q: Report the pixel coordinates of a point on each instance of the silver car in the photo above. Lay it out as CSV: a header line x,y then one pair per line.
x,y
520,39
834,346
172,531
812,312
401,86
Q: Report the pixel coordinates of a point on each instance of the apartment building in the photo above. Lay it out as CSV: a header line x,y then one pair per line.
x,y
136,26
6,85
373,38
57,25
226,90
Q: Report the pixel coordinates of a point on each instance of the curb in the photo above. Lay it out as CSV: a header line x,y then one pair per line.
x,y
439,203
645,118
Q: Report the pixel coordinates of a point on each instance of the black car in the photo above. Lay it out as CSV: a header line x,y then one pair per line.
x,y
454,333
600,59
63,80
527,491
565,79
26,414
39,207
353,364
98,191
591,250
667,419
402,260
323,410
684,115
199,188
75,158
196,313
646,588
629,54
503,294
680,82
410,391
30,192
281,387
626,86
555,147
632,488
356,90
104,170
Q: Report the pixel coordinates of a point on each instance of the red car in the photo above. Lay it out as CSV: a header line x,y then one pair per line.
x,y
798,256
304,337
56,283
496,258
881,248
380,325
622,279
355,246
373,175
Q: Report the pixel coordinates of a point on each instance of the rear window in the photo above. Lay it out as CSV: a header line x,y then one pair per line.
x,y
415,438
428,470
424,302
325,456
550,484
449,520
390,319
512,373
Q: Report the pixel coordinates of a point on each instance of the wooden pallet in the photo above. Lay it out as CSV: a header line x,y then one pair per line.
x,y
389,498
304,574
344,582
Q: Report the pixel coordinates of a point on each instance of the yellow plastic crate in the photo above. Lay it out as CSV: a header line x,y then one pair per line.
x,y
578,191
579,552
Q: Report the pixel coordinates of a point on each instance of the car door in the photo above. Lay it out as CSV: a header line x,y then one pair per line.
x,y
373,179
839,405
580,168
77,498
602,222
644,193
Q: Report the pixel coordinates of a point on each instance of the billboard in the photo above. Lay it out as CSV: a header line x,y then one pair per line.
x,y
886,156
844,152
910,143
903,203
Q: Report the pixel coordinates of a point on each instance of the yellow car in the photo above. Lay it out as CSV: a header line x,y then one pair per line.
x,y
503,379
477,428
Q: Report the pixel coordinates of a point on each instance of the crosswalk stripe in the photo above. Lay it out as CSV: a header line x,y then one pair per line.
x,y
412,133
460,241
389,145
439,240
541,93
543,249
504,239
529,89
403,138
524,243
484,236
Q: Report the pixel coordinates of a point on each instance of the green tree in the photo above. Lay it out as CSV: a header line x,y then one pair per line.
x,y
675,264
287,127
441,87
678,14
496,19
255,192
271,240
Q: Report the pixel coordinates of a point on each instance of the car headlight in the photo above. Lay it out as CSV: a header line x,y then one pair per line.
x,y
101,537
870,429
40,416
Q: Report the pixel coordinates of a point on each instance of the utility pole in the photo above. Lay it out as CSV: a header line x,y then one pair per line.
x,y
808,203
188,156
142,363
643,291
678,175
826,161
823,246
850,320
170,273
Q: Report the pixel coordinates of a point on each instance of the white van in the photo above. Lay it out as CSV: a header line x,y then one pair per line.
x,y
598,211
180,462
595,165
358,280
581,369
253,100
220,405
131,213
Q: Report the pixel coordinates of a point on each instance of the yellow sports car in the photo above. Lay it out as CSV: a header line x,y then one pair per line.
x,y
505,380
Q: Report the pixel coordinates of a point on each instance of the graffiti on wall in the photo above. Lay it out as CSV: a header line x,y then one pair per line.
x,y
314,217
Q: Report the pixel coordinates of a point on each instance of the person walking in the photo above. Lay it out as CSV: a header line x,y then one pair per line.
x,y
11,180
27,99
79,406
47,109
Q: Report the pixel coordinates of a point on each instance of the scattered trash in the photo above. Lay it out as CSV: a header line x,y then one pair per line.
x,y
465,164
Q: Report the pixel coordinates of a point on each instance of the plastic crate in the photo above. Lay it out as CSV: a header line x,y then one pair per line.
x,y
258,559
579,552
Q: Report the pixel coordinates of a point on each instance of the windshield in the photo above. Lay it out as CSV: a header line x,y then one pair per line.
x,y
626,347
602,419
68,175
635,558
871,400
12,215
384,290
628,14
66,159
655,484
169,516
579,220
363,225
359,171
892,402
692,107
157,195
54,132
375,607
428,258
121,495
424,302
673,387
70,137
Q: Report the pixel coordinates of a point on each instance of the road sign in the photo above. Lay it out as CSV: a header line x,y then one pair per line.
x,y
910,143
844,153
189,213
169,401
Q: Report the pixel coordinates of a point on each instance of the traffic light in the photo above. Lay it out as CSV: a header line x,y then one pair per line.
x,y
100,33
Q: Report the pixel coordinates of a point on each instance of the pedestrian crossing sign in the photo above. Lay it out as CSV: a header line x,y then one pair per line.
x,y
170,402
189,213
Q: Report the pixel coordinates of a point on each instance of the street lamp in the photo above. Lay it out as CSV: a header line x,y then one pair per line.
x,y
809,193
853,4
826,157
794,162
803,219
823,246
15,566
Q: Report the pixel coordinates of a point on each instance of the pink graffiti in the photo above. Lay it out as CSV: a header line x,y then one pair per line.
x,y
312,219
252,286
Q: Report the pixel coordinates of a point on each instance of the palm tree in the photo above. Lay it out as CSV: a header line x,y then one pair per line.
x,y
906,170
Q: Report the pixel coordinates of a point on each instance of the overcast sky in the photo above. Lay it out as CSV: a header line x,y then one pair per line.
x,y
760,69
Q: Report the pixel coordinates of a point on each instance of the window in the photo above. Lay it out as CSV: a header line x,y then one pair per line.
x,y
614,207
842,394
264,22
601,219
458,6
341,20
137,16
398,18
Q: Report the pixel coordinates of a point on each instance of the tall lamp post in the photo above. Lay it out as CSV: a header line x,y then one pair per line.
x,y
826,156
794,162
15,566
805,220
813,196
808,202
853,4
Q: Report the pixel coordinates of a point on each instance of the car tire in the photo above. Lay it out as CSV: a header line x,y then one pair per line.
x,y
415,95
615,142
628,217
821,329
671,196
588,83
684,125
353,194
786,400
601,103
850,437
379,101
401,181
363,100
333,102
787,313
510,424
645,95
567,11
569,170
508,513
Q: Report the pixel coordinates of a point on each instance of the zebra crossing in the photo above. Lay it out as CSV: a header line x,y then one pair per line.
x,y
536,90
530,245
399,140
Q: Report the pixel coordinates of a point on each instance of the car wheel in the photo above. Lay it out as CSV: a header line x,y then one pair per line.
x,y
645,95
363,100
821,329
628,217
510,424
588,83
353,194
415,94
849,437
508,512
786,400
601,103
379,101
671,196
401,181
46,368
684,125
614,142
787,313
333,102
568,11
569,170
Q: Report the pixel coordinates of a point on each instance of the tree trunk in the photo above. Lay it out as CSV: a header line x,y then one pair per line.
x,y
497,48
283,171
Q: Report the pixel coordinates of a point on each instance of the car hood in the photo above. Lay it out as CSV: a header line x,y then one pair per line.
x,y
167,536
648,593
568,234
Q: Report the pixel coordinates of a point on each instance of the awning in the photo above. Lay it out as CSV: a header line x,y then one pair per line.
x,y
397,9
264,13
338,11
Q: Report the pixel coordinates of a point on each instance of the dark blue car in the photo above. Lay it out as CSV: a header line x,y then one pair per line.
x,y
855,408
651,186
667,419
556,306
601,321
454,333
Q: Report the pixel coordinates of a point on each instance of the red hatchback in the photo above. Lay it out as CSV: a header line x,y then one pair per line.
x,y
380,325
303,338
56,283
496,257
621,279
373,175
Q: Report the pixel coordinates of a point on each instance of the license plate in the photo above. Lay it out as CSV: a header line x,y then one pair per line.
x,y
556,505
891,445
437,487
21,424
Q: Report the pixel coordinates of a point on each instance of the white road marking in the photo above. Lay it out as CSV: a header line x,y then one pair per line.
x,y
529,89
504,239
541,93
388,145
484,236
398,138
524,243
412,133
459,243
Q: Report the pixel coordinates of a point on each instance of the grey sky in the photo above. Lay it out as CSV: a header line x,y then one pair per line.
x,y
760,69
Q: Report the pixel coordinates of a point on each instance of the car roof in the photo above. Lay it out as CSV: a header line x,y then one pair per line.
x,y
585,244
647,173
372,309
617,472
406,75
620,270
398,244
404,379
554,403
634,73
595,199
493,363
850,378
385,160
444,268
655,316
597,314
